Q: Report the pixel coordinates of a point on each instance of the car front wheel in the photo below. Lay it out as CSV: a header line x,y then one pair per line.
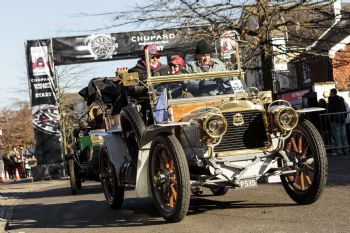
x,y
305,148
169,178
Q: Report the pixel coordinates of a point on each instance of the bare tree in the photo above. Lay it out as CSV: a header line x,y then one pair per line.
x,y
68,79
16,125
301,22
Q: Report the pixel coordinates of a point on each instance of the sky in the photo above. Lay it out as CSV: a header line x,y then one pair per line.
x,y
22,20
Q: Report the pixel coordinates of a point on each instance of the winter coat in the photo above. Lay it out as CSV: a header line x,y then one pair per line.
x,y
336,104
195,67
208,86
141,69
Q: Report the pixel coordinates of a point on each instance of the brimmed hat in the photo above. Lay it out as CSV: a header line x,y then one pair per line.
x,y
177,60
202,47
152,50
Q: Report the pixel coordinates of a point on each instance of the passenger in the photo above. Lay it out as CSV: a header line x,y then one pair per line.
x,y
176,64
157,68
140,91
205,63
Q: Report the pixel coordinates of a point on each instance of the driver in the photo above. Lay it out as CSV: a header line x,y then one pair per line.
x,y
205,63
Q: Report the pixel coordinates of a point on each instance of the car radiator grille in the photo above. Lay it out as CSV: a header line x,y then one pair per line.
x,y
250,135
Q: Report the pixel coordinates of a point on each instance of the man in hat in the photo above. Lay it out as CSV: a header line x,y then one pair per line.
x,y
157,68
205,63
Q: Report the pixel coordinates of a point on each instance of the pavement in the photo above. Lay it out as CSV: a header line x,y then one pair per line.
x,y
13,192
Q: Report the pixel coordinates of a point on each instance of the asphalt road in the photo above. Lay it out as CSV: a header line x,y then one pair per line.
x,y
267,208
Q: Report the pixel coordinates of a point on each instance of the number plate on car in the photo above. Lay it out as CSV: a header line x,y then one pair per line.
x,y
248,183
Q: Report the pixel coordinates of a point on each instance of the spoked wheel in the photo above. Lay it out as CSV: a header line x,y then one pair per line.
x,y
219,190
114,194
75,181
305,148
169,178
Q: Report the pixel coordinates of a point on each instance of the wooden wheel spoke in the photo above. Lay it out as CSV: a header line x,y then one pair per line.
x,y
173,190
305,151
294,144
288,146
296,181
162,160
171,199
302,181
308,179
300,144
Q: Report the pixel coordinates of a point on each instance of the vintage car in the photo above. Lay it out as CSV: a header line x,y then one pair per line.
x,y
85,147
225,135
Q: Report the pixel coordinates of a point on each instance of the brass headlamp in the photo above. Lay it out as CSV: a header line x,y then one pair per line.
x,y
283,117
215,125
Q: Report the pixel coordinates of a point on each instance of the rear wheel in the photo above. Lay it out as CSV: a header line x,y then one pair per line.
x,y
114,194
75,181
305,148
169,178
133,127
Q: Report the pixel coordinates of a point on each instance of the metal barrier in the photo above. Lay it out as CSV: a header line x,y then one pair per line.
x,y
333,129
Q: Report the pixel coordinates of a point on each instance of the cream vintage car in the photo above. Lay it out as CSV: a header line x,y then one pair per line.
x,y
170,145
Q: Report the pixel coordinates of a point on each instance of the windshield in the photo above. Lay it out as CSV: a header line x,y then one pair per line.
x,y
198,85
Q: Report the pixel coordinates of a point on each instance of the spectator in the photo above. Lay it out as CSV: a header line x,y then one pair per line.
x,y
336,107
2,165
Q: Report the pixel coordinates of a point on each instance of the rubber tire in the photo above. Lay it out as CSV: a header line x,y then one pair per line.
x,y
131,120
173,146
219,191
132,127
74,181
115,196
321,166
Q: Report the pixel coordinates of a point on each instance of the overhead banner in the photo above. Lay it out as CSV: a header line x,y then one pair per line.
x,y
45,112
125,45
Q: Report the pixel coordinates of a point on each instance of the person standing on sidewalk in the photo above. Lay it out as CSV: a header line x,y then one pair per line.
x,y
336,107
2,165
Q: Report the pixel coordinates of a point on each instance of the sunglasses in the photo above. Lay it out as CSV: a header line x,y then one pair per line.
x,y
174,65
152,57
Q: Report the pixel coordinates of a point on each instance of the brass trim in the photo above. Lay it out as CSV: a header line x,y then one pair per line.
x,y
238,119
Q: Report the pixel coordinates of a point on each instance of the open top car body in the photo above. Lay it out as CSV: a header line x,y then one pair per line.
x,y
183,135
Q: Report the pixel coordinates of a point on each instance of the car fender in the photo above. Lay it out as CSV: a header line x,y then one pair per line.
x,y
142,181
117,152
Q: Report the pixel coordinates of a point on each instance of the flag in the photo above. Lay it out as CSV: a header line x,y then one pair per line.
x,y
160,112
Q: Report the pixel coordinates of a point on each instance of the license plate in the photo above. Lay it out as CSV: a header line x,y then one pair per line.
x,y
248,183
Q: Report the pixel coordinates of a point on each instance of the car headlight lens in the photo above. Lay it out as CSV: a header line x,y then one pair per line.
x,y
287,119
215,125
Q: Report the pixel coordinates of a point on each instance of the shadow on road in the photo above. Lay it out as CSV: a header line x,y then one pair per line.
x,y
135,212
200,205
338,171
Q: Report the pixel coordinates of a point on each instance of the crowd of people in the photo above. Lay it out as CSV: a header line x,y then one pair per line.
x,y
334,123
16,159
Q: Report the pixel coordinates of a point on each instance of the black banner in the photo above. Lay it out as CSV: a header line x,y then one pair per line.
x,y
45,112
125,45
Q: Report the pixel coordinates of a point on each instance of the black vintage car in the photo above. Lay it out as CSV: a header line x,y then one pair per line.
x,y
85,147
